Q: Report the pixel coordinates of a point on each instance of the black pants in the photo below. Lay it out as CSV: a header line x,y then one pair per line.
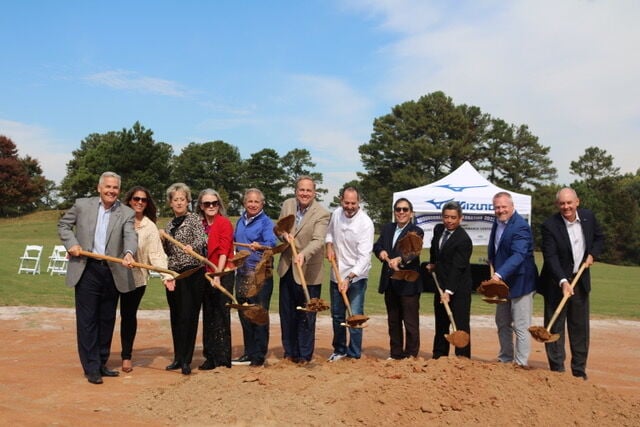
x,y
129,303
403,320
460,304
96,300
184,311
216,323
575,315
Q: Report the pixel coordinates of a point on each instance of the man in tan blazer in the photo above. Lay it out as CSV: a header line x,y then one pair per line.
x,y
298,327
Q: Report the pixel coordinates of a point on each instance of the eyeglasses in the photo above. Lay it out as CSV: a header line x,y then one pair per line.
x,y
401,209
139,199
210,204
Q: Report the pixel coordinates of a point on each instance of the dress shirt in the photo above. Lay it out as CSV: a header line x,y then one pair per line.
x,y
100,236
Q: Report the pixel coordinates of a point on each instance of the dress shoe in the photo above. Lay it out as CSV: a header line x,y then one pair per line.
x,y
127,366
186,369
173,366
242,360
257,362
106,372
207,365
94,377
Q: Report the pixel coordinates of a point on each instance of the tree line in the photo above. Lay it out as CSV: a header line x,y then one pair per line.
x,y
417,143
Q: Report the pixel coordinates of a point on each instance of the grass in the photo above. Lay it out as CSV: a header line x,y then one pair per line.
x,y
615,289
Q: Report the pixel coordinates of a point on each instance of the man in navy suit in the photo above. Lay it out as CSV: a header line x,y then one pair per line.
x,y
511,255
569,238
105,226
451,249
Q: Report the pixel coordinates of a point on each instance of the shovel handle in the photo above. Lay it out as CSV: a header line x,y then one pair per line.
x,y
446,304
566,297
191,252
134,264
248,245
336,272
303,281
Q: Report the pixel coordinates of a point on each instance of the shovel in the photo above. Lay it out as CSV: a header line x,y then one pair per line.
x,y
284,225
258,313
352,320
494,299
458,338
140,265
274,250
539,333
312,304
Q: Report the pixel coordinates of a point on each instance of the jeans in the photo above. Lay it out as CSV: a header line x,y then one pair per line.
x,y
514,316
255,337
355,294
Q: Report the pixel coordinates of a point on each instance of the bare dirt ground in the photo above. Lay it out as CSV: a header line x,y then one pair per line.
x,y
41,382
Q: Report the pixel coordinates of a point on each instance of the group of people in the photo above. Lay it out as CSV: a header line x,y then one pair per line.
x,y
103,225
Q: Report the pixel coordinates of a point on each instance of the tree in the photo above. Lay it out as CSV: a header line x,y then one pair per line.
x,y
262,170
297,162
594,164
417,143
133,154
214,164
517,161
21,181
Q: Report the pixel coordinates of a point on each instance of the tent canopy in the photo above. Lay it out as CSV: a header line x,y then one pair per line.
x,y
474,192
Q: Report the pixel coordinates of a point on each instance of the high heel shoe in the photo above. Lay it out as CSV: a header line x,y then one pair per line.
x,y
127,365
173,366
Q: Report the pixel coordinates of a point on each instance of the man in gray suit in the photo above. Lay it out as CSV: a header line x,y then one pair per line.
x,y
298,327
104,226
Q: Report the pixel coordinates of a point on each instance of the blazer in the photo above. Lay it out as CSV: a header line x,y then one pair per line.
x,y
121,238
309,240
513,260
385,242
453,267
558,256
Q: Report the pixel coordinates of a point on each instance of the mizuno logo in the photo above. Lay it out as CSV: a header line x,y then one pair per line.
x,y
460,188
438,205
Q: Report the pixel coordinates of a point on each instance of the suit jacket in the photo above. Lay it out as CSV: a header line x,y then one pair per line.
x,y
385,242
556,249
121,238
309,239
513,260
453,267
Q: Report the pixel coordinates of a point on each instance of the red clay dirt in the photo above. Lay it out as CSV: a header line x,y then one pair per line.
x,y
41,381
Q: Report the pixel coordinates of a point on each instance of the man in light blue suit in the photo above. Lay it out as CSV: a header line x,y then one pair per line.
x,y
511,255
104,226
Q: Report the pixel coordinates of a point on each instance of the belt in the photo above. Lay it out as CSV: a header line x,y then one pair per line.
x,y
98,261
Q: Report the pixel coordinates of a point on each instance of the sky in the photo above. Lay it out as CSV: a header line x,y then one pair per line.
x,y
314,74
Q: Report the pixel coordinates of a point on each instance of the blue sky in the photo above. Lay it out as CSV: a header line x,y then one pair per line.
x,y
315,74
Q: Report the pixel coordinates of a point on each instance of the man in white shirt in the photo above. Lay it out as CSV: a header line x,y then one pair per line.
x,y
349,241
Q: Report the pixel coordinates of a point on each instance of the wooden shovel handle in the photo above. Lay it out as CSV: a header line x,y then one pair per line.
x,y
336,272
303,280
135,264
566,296
446,304
191,252
248,245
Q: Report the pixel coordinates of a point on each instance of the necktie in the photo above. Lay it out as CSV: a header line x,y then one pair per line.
x,y
445,237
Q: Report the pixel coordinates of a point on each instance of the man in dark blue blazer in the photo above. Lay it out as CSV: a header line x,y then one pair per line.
x,y
569,238
510,253
451,249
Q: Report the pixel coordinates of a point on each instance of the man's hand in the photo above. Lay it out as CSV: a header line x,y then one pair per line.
x,y
75,250
127,260
170,284
567,289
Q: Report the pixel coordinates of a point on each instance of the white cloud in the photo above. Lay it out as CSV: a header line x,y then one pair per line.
x,y
36,142
129,80
567,69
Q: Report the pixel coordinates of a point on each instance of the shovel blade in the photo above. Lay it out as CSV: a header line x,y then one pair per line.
x,y
459,339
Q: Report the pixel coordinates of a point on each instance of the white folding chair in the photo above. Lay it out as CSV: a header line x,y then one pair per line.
x,y
58,261
30,260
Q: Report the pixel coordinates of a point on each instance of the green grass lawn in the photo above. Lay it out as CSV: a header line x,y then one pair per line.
x,y
616,290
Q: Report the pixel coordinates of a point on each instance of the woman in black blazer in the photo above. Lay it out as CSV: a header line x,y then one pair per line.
x,y
401,297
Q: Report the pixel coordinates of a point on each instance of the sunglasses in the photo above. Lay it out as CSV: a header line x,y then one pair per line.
x,y
401,209
210,204
139,199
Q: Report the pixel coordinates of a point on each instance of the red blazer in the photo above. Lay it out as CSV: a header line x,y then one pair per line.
x,y
220,240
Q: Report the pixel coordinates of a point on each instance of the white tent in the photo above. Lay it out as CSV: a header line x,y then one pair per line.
x,y
474,193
